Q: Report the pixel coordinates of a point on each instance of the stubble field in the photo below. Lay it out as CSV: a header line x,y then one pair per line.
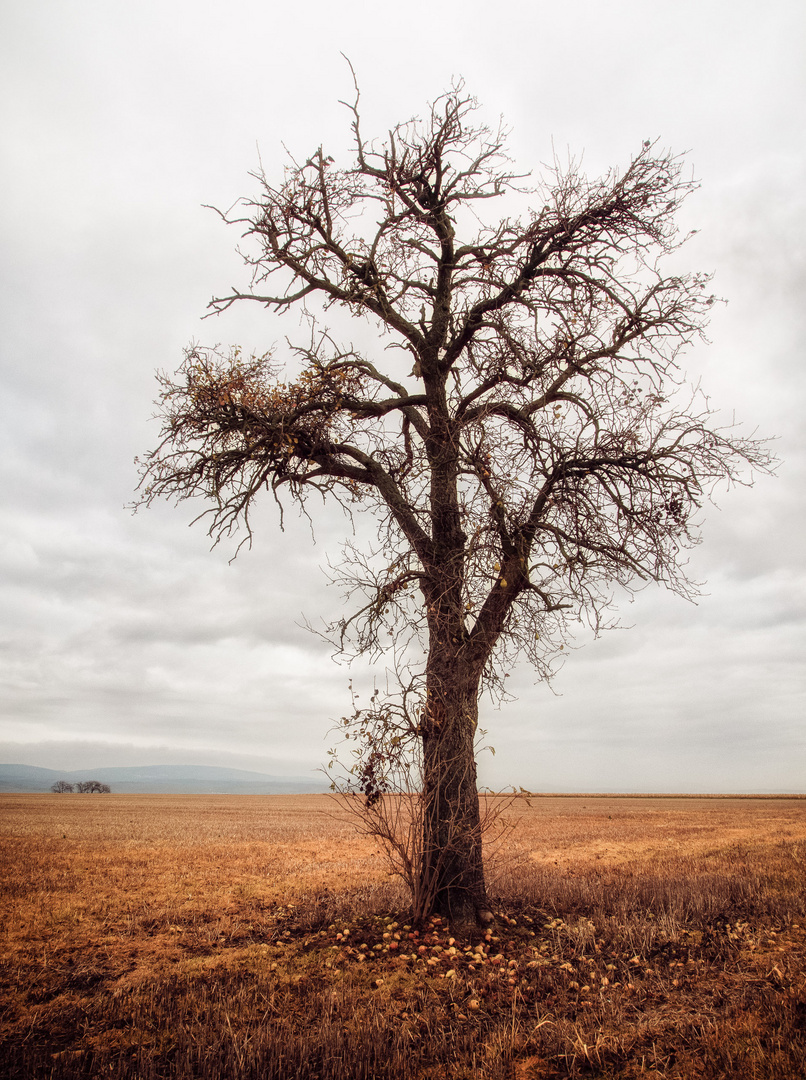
x,y
259,937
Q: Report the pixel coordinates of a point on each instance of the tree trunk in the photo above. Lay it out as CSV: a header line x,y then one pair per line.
x,y
452,871
452,874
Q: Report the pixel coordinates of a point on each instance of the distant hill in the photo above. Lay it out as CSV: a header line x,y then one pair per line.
x,y
162,780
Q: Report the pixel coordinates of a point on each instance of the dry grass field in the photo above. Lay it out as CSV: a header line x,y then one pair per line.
x,y
258,937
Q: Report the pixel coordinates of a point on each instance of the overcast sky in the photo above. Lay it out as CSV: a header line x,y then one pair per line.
x,y
123,639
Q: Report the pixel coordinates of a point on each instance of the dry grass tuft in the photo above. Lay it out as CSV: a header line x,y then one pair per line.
x,y
244,937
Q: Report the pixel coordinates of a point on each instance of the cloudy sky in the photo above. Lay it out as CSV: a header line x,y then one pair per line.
x,y
123,639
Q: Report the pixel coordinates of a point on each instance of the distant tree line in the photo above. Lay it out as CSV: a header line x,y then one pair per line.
x,y
85,787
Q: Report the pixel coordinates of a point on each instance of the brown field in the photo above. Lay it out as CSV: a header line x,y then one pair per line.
x,y
204,937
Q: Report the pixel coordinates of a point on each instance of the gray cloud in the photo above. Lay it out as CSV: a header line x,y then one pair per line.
x,y
122,637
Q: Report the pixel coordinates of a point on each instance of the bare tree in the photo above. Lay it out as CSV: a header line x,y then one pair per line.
x,y
62,787
92,787
520,430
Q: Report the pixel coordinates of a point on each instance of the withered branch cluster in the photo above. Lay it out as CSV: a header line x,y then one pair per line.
x,y
528,441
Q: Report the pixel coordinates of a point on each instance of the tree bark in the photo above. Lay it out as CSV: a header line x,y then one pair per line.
x,y
452,876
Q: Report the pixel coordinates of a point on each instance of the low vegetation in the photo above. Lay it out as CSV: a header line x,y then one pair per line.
x,y
84,787
257,937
